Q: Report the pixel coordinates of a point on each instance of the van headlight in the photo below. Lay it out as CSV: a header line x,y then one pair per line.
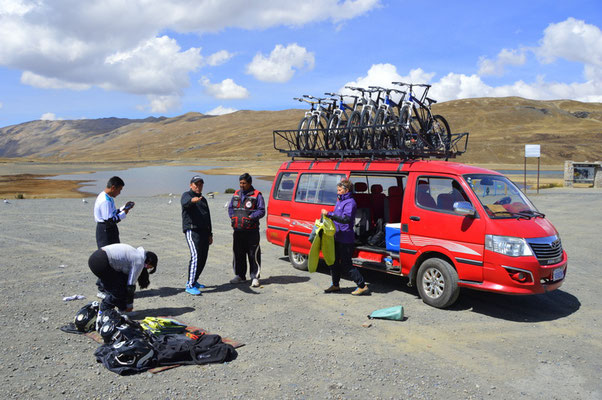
x,y
508,245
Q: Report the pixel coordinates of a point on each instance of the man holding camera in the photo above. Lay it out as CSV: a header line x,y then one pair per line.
x,y
107,216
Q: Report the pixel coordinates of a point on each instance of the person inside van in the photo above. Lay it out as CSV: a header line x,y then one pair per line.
x,y
343,217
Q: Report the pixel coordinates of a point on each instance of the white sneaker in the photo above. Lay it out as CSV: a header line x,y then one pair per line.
x,y
101,295
255,283
237,279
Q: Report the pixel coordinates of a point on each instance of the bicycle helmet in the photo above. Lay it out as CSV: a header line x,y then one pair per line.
x,y
136,353
86,317
107,315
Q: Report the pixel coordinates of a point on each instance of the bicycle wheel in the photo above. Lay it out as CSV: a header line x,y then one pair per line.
x,y
440,134
354,131
367,123
313,132
330,137
378,131
302,134
391,133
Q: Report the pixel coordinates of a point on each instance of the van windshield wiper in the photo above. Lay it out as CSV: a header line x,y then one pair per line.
x,y
532,213
518,215
529,214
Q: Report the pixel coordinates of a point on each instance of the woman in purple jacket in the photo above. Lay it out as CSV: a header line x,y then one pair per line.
x,y
343,217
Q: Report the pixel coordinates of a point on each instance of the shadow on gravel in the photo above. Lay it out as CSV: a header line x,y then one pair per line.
x,y
226,287
161,312
537,308
284,280
161,292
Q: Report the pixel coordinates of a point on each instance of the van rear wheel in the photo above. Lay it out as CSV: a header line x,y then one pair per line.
x,y
437,283
298,260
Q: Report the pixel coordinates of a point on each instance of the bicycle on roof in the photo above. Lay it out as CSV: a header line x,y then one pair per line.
x,y
336,134
314,122
419,128
385,134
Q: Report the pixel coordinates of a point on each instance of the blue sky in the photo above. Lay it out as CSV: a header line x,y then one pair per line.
x,y
70,59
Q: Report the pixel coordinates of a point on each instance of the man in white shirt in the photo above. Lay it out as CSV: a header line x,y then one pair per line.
x,y
107,216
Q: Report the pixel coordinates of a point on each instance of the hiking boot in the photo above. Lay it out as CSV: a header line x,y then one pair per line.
x,y
198,285
101,295
361,291
332,289
237,279
193,291
255,283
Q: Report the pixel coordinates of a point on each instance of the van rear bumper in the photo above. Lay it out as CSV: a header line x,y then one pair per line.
x,y
501,275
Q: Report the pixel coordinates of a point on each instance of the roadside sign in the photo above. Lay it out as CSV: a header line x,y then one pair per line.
x,y
532,150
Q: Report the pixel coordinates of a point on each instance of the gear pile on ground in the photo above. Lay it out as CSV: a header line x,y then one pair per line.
x,y
130,347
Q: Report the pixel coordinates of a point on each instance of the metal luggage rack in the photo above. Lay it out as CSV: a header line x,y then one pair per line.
x,y
287,141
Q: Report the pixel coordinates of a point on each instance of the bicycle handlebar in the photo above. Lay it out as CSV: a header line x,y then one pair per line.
x,y
411,84
387,90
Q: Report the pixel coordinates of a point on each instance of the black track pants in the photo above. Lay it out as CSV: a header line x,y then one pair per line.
x,y
199,248
245,245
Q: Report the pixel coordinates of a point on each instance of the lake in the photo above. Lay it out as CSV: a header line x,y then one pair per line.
x,y
159,180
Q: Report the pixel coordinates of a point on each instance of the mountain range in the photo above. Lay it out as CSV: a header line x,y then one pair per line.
x,y
498,130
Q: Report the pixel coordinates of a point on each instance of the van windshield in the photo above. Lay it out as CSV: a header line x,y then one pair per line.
x,y
500,197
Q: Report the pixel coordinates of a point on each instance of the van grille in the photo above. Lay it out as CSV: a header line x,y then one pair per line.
x,y
547,250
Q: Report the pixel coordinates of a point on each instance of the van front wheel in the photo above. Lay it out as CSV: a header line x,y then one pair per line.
x,y
437,283
298,260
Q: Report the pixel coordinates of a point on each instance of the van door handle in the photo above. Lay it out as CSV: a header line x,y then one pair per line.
x,y
415,218
285,215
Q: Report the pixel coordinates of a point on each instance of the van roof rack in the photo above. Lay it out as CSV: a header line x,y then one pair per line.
x,y
289,142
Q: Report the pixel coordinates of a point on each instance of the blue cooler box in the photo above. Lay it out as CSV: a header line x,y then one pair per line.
x,y
392,232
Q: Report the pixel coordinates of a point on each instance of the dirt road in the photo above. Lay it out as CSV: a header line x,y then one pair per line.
x,y
299,342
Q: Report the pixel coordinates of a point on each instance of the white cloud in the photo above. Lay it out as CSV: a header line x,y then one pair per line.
x,y
160,104
42,82
49,117
505,57
219,58
156,66
106,43
226,89
221,110
384,74
459,86
278,66
572,40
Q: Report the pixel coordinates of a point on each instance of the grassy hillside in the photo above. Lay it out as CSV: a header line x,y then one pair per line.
x,y
499,128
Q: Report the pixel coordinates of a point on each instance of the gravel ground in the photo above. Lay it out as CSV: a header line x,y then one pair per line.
x,y
299,342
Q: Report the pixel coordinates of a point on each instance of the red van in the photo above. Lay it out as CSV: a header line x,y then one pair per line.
x,y
446,225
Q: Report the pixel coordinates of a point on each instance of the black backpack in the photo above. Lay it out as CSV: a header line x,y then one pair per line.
x,y
378,239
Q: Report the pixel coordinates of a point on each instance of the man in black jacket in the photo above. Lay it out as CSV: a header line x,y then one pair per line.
x,y
196,225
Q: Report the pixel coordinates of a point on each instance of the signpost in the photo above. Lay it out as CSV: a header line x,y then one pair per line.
x,y
532,150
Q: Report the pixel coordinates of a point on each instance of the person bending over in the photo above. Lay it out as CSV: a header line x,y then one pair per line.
x,y
119,266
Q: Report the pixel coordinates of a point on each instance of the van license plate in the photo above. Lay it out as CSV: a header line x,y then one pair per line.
x,y
558,274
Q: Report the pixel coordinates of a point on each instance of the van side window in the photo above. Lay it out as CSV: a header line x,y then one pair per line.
x,y
439,193
286,185
318,188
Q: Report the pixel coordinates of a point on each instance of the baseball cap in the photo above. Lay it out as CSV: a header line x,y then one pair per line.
x,y
197,178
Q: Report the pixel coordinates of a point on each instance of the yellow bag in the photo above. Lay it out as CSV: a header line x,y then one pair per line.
x,y
323,241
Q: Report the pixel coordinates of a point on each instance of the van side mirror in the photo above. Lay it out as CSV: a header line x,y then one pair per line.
x,y
464,208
